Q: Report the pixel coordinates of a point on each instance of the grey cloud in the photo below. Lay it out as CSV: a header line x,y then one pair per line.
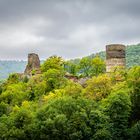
x,y
70,28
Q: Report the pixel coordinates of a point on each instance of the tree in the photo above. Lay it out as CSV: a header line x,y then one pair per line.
x,y
133,80
66,118
98,66
135,131
85,66
14,94
54,79
16,124
13,78
70,67
118,107
3,108
91,66
73,89
36,87
119,74
98,87
53,62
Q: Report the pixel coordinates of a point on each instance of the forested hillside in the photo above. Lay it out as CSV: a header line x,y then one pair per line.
x,y
132,59
133,55
50,106
7,67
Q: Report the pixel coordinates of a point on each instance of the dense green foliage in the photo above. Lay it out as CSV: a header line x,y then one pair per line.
x,y
53,107
86,67
133,55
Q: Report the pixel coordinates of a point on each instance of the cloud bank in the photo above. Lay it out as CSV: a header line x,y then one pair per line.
x,y
68,28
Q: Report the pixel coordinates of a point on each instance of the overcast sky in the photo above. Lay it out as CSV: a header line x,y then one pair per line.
x,y
67,28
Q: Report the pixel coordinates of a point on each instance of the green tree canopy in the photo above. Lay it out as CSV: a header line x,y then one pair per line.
x,y
53,62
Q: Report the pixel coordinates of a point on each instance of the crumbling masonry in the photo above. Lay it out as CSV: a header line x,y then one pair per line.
x,y
115,56
33,65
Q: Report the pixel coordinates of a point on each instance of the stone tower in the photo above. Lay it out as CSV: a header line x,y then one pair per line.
x,y
115,56
33,65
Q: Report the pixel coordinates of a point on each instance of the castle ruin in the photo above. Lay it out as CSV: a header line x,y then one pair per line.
x,y
115,56
33,64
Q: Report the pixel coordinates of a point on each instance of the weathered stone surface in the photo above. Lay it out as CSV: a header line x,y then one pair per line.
x,y
115,51
115,56
33,64
114,62
116,47
71,77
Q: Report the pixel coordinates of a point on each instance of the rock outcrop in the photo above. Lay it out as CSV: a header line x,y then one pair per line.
x,y
33,66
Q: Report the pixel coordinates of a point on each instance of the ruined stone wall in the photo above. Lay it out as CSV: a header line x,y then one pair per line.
x,y
33,64
115,56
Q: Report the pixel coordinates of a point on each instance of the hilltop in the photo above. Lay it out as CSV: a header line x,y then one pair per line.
x,y
53,105
11,66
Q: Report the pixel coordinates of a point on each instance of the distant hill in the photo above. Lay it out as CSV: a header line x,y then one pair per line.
x,y
132,59
11,66
133,55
